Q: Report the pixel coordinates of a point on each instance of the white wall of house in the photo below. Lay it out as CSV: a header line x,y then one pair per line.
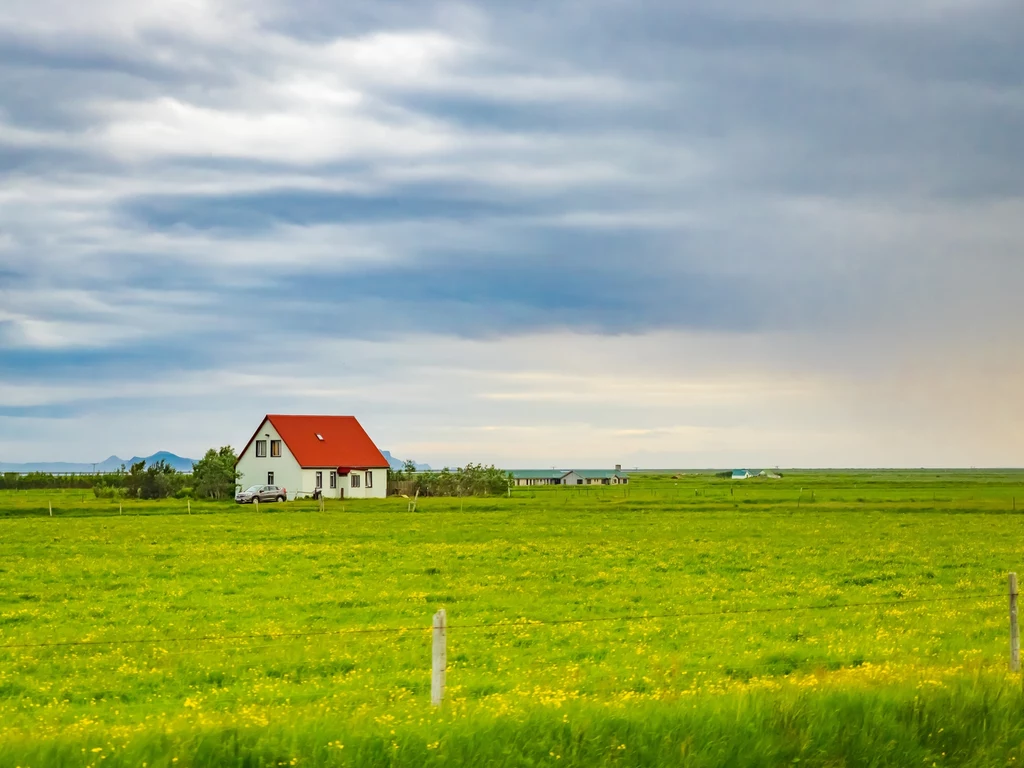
x,y
309,482
344,489
253,469
379,484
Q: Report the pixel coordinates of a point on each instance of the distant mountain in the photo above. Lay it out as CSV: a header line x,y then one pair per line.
x,y
400,463
111,464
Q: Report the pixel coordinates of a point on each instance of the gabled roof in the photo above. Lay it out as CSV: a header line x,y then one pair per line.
x,y
539,474
325,441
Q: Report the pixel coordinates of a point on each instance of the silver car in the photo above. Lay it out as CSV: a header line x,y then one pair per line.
x,y
261,493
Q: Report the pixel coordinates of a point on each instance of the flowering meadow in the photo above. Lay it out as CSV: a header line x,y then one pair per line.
x,y
819,619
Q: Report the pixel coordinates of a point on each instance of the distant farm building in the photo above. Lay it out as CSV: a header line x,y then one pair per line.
x,y
303,454
573,477
544,477
602,477
740,474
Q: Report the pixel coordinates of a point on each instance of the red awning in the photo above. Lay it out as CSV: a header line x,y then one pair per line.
x,y
344,470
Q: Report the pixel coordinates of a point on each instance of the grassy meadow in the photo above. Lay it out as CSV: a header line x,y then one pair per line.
x,y
821,619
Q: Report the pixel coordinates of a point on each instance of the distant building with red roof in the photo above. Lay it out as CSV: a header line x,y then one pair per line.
x,y
304,453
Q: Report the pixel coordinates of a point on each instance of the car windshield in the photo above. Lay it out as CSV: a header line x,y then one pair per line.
x,y
253,489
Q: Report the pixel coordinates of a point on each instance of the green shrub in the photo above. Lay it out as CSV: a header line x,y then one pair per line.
x,y
471,480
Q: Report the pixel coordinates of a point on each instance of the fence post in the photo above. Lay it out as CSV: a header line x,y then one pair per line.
x,y
50,504
189,502
256,501
440,658
1014,629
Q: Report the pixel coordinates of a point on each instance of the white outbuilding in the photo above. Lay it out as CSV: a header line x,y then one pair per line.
x,y
304,453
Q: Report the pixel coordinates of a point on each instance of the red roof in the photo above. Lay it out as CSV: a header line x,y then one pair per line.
x,y
342,441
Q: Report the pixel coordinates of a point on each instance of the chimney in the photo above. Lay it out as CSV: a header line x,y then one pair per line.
x,y
618,467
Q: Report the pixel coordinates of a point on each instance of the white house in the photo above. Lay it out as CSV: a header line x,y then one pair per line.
x,y
569,477
303,453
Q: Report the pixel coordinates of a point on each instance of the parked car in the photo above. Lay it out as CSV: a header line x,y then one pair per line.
x,y
262,493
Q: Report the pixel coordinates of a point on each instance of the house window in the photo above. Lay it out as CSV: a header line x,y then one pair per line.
x,y
261,449
355,480
275,449
580,481
319,479
270,478
334,479
369,479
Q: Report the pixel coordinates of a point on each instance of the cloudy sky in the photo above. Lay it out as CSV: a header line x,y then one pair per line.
x,y
669,233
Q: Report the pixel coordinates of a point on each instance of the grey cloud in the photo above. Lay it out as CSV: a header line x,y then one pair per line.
x,y
503,169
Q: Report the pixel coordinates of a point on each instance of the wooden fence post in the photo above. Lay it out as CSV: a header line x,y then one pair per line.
x,y
440,658
50,503
1014,630
189,502
256,502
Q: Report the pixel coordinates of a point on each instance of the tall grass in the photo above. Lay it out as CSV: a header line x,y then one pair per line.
x,y
973,722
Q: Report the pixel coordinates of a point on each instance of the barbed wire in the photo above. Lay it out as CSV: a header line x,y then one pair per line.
x,y
726,612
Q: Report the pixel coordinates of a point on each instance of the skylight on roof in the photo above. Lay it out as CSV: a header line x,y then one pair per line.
x,y
319,437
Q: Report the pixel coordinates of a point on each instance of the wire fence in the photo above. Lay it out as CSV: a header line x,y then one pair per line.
x,y
500,625
677,667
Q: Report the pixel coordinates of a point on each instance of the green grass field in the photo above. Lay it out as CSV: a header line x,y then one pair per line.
x,y
822,619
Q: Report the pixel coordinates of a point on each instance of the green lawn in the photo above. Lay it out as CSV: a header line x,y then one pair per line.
x,y
255,652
